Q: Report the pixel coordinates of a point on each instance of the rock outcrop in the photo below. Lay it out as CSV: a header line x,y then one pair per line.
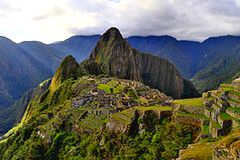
x,y
113,56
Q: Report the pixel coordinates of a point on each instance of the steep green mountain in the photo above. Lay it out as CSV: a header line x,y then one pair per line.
x,y
139,67
193,59
22,69
44,54
113,56
23,66
93,117
219,62
184,54
68,68
13,115
101,110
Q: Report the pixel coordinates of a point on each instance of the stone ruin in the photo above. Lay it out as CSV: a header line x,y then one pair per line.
x,y
221,108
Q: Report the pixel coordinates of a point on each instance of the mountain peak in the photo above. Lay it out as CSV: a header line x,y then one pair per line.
x,y
69,68
114,57
112,32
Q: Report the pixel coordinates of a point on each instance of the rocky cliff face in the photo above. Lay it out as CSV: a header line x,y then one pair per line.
x,y
161,74
113,56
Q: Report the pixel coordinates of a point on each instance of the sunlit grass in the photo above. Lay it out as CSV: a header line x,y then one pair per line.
x,y
197,102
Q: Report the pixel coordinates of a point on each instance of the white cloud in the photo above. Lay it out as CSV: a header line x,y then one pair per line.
x,y
53,20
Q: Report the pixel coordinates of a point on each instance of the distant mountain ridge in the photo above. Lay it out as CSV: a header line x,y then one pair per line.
x,y
193,59
23,66
78,46
36,61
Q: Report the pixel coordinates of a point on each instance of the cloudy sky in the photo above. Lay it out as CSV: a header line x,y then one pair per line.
x,y
54,20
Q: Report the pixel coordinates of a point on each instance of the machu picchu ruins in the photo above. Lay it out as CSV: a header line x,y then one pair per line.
x,y
223,108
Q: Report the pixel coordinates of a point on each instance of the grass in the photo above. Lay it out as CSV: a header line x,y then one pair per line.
x,y
204,150
200,151
197,102
116,88
205,129
215,125
158,108
235,93
234,109
209,98
227,87
225,116
234,100
197,116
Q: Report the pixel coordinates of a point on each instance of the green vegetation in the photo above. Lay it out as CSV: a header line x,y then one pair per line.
x,y
225,116
234,109
93,121
158,108
199,151
215,124
205,129
161,143
235,93
234,100
111,87
227,87
142,100
197,116
196,102
89,117
232,137
54,128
